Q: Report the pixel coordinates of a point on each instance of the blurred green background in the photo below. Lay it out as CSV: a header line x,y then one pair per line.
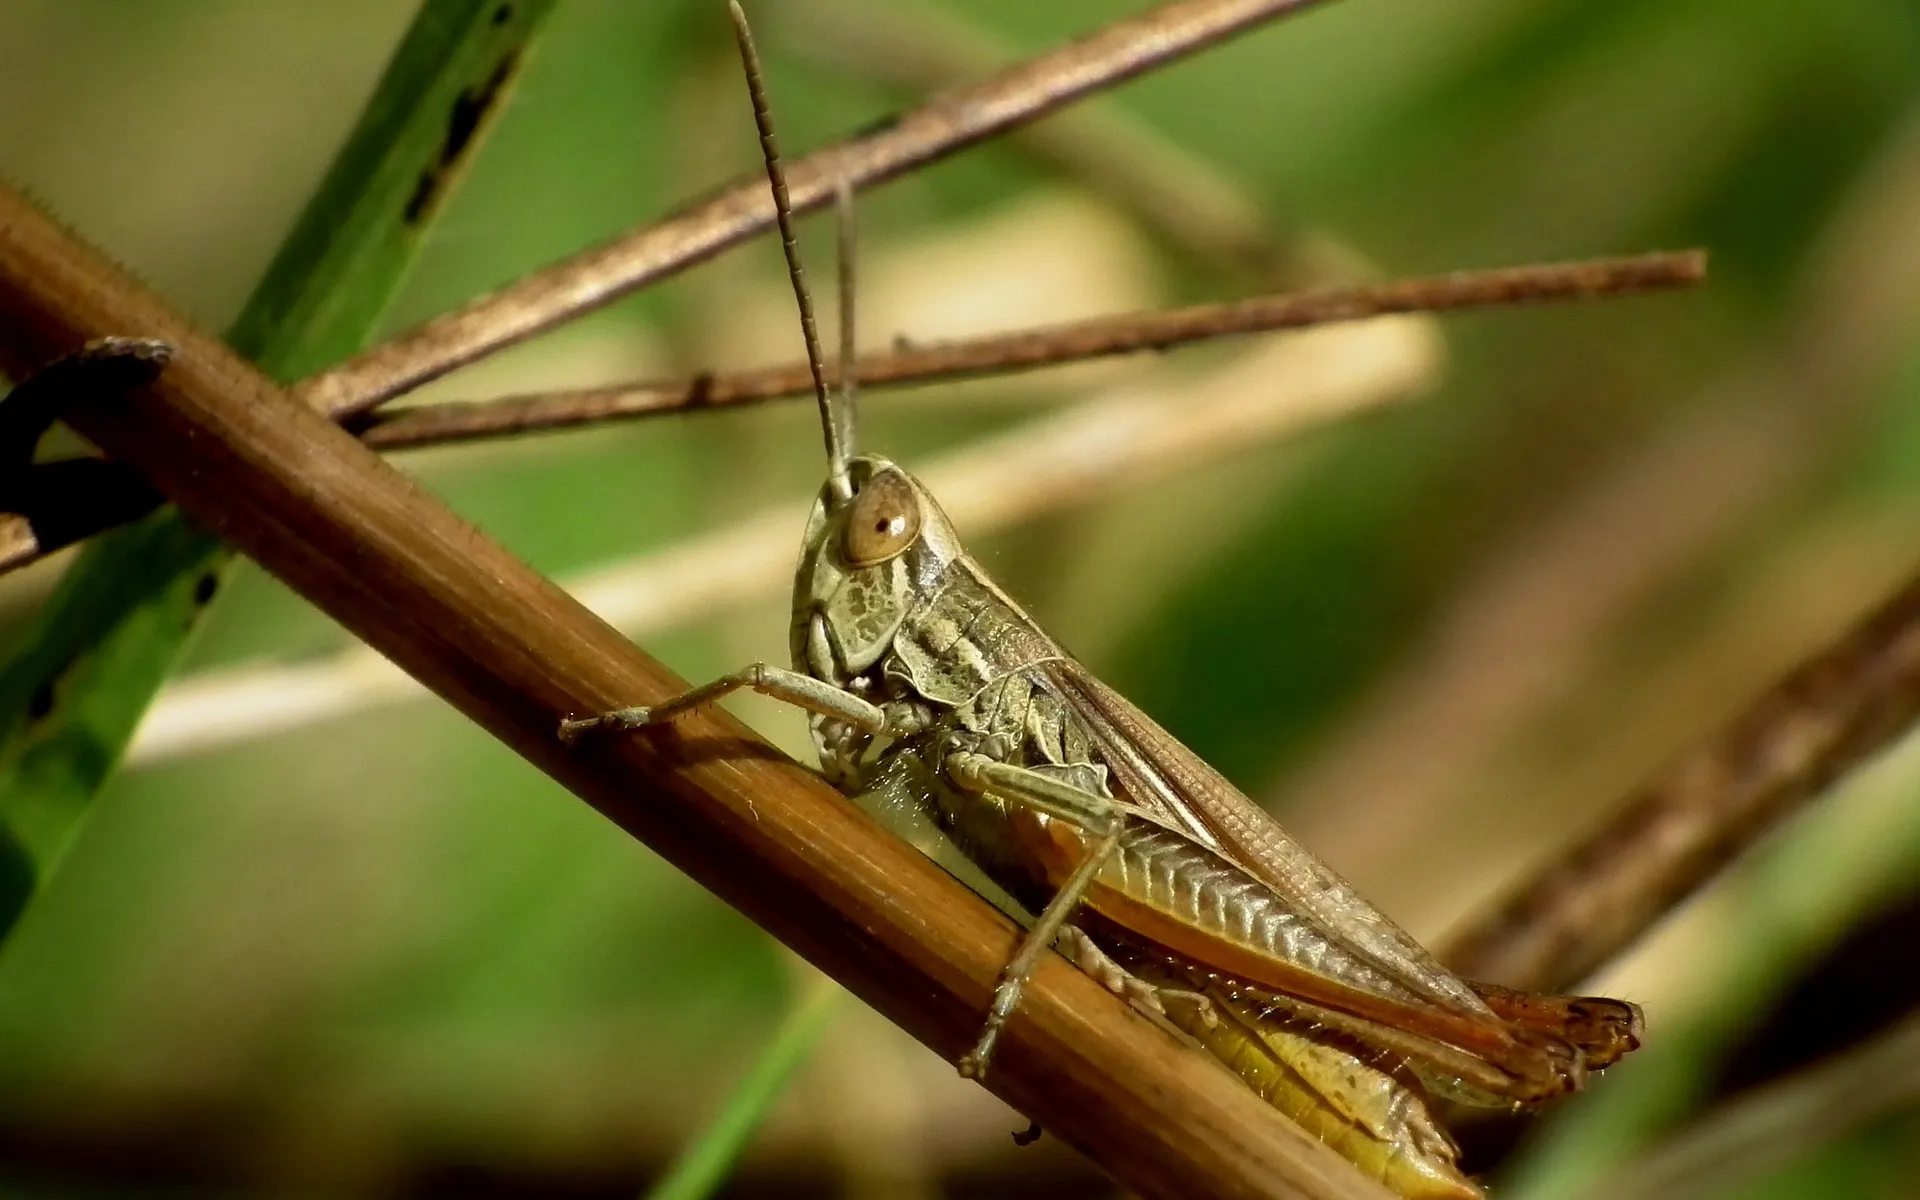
x,y
360,949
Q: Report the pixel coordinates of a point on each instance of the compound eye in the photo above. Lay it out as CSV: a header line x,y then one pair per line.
x,y
884,521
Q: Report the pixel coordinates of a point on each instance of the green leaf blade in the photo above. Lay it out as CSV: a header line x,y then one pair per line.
x,y
73,694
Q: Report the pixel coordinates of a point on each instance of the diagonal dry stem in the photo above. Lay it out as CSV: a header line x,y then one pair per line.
x,y
514,653
1829,715
948,123
917,48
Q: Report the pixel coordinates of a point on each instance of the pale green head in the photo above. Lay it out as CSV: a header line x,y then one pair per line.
x,y
876,539
867,559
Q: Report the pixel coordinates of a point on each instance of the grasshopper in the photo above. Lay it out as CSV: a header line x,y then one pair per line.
x,y
927,686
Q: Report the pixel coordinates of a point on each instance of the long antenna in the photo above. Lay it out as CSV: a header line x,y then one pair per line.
x,y
845,419
837,450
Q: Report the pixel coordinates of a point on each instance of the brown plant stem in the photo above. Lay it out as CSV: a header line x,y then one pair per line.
x,y
1047,346
947,123
1825,717
514,653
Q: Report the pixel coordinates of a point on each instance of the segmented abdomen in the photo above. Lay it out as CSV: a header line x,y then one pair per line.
x,y
1368,1106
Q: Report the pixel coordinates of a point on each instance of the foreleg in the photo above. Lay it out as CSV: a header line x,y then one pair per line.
x,y
802,691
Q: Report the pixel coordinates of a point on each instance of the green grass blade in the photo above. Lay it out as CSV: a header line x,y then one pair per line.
x,y
72,695
705,1164
346,257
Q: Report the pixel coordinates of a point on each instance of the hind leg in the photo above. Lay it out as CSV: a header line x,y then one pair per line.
x,y
1096,815
1089,957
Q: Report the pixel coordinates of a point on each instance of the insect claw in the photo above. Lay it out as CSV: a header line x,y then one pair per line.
x,y
973,1065
572,729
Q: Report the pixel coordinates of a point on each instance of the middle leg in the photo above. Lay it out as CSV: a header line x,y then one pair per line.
x,y
1089,811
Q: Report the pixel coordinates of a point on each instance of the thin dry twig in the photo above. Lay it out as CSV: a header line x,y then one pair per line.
x,y
948,123
919,48
23,541
1826,717
1106,443
513,652
1047,346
